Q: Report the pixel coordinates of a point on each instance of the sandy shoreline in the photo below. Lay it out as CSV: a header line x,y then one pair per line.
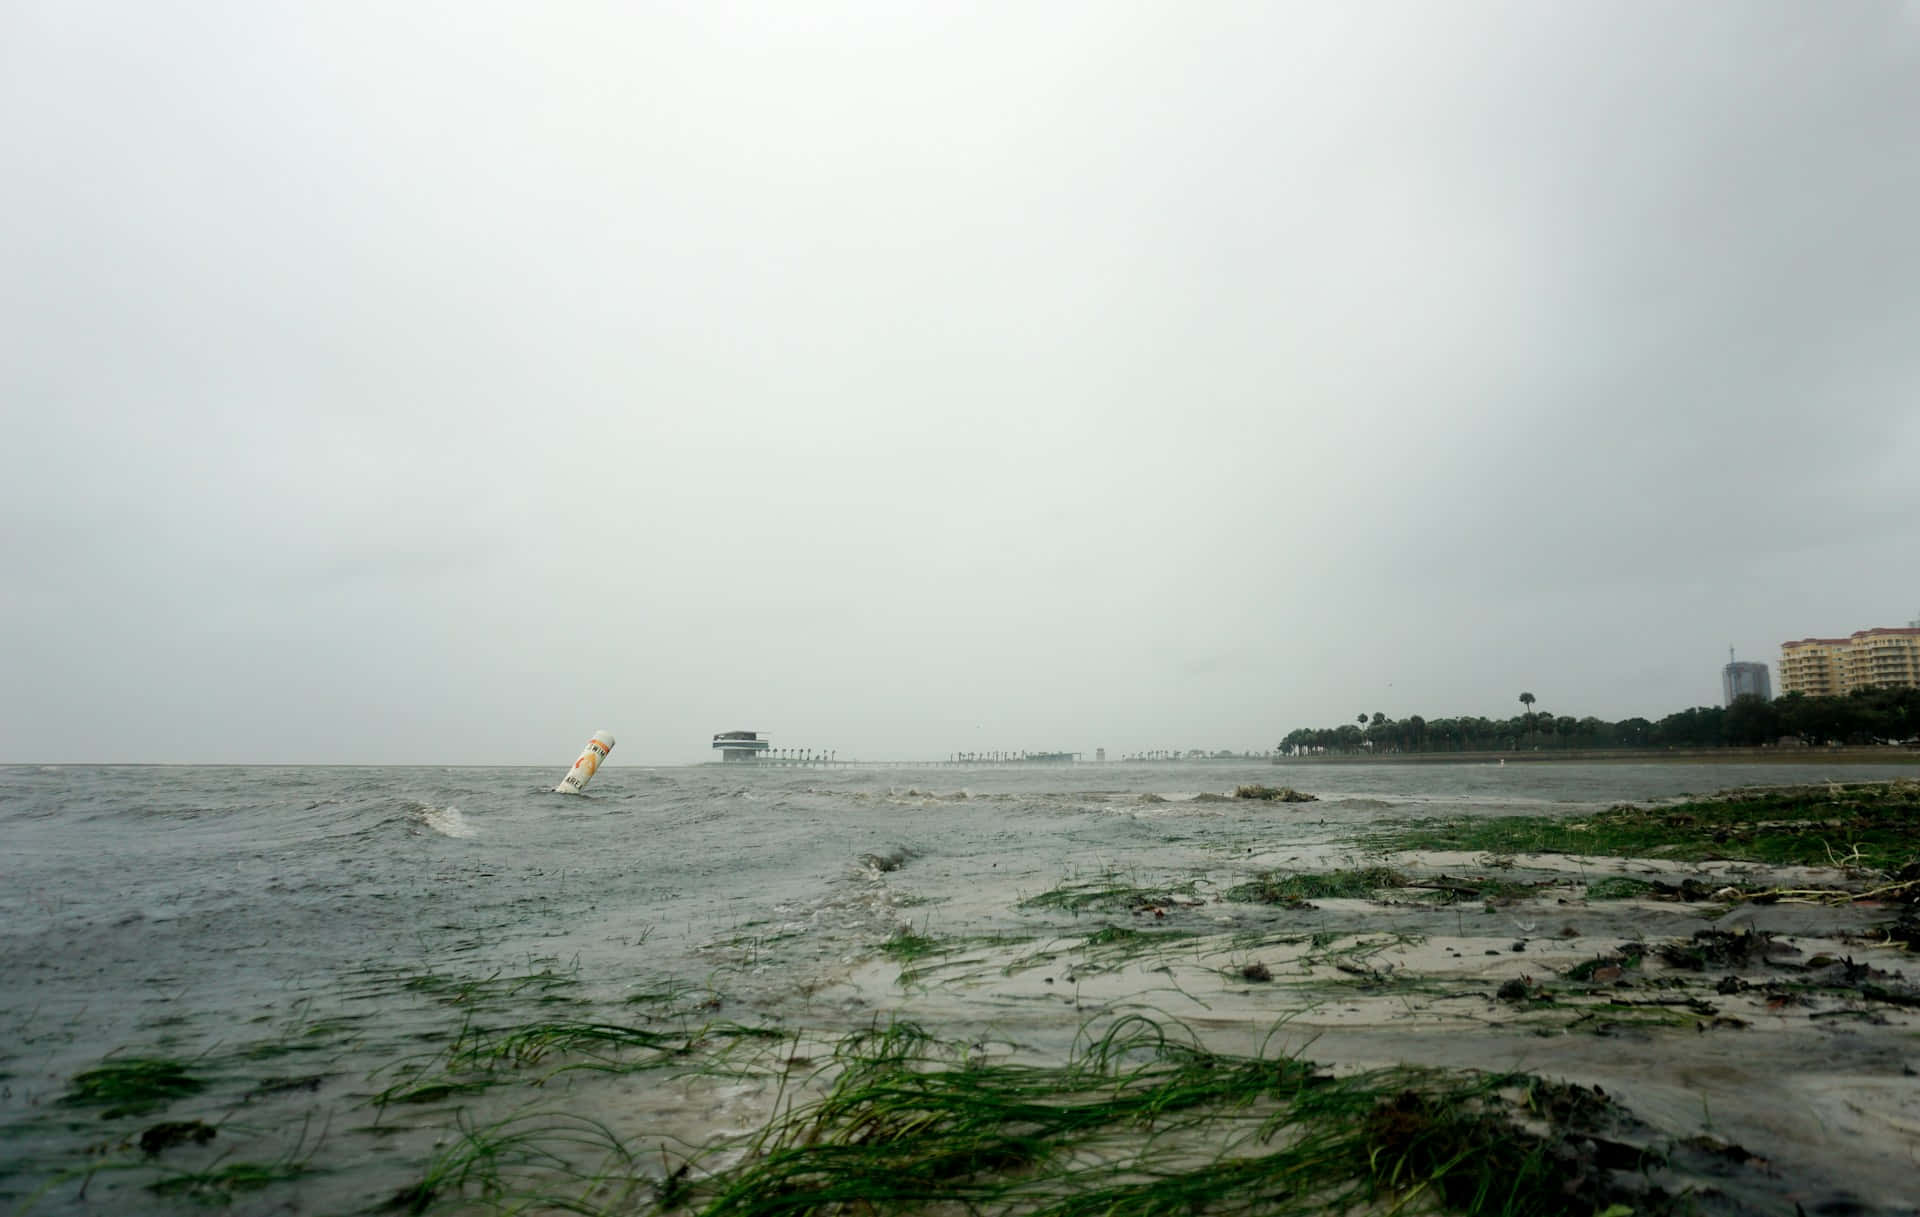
x,y
1786,1029
1623,756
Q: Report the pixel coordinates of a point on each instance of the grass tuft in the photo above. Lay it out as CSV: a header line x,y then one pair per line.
x,y
132,1085
1618,887
1871,826
907,946
1145,1123
481,1058
216,1186
1107,895
1293,889
1140,1120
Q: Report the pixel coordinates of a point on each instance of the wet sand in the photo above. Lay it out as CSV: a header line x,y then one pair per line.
x,y
1787,1033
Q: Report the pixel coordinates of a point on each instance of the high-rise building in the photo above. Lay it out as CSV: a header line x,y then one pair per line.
x,y
1740,679
1880,657
1887,658
1812,666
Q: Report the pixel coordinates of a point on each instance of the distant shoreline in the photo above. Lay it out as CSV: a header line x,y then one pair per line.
x,y
1710,756
1642,756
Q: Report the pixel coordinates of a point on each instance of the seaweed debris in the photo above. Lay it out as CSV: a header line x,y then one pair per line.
x,y
1140,1120
1274,794
1725,949
1873,826
132,1085
1294,890
164,1136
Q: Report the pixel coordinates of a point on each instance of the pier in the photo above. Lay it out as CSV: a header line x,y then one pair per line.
x,y
754,748
804,757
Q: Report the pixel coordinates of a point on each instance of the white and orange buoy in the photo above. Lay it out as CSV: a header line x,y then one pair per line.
x,y
588,764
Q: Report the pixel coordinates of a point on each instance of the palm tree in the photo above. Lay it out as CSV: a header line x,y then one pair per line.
x,y
1527,700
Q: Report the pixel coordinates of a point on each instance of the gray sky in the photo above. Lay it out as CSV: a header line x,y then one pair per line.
x,y
441,382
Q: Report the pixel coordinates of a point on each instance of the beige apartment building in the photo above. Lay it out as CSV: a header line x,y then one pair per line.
x,y
1834,666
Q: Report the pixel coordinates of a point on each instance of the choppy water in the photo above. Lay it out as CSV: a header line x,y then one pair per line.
x,y
295,930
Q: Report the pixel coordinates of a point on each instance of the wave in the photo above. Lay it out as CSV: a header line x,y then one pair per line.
x,y
447,821
889,859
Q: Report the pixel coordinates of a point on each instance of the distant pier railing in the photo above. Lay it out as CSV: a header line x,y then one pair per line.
x,y
754,748
805,758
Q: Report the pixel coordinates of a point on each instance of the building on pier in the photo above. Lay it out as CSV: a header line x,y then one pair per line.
x,y
740,745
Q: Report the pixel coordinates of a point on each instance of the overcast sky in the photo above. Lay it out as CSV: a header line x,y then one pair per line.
x,y
441,382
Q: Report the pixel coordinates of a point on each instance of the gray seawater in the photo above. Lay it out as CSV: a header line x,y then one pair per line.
x,y
292,933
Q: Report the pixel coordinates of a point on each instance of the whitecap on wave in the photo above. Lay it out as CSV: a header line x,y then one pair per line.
x,y
447,821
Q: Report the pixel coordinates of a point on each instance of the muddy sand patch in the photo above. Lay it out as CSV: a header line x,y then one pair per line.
x,y
1734,969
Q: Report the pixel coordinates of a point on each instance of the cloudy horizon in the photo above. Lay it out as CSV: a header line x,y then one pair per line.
x,y
442,383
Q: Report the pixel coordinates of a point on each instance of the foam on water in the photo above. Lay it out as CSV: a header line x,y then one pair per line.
x,y
447,821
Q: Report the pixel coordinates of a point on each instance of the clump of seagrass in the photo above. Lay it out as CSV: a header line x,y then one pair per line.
x,y
1855,829
1725,949
132,1085
479,1059
1145,1121
217,1185
1274,794
1294,890
164,1136
1112,894
1140,1121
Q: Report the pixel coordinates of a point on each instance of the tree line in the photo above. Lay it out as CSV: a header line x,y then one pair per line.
x,y
1865,716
